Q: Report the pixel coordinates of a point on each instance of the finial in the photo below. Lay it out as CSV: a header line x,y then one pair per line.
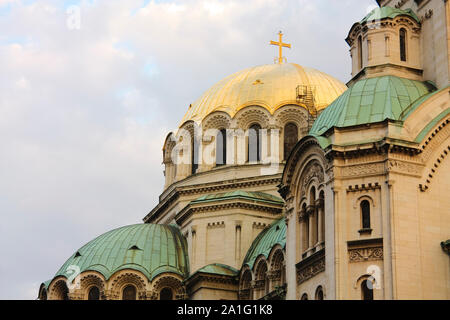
x,y
280,44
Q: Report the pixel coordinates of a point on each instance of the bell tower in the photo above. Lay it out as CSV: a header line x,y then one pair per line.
x,y
386,42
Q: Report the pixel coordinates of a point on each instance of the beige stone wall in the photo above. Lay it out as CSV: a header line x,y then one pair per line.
x,y
435,35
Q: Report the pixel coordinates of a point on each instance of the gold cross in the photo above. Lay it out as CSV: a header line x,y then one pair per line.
x,y
281,45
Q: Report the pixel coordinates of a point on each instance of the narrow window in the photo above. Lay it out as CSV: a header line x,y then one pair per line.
x,y
94,293
304,297
254,143
166,294
365,214
129,293
194,154
367,290
360,54
221,148
319,293
290,138
402,44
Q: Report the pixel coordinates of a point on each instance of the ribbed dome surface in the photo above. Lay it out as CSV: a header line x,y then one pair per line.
x,y
269,86
265,241
149,248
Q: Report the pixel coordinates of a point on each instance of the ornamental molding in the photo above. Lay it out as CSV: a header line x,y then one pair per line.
x,y
364,187
362,169
365,254
292,114
189,210
252,115
216,225
217,121
435,139
404,167
311,266
365,250
312,171
425,186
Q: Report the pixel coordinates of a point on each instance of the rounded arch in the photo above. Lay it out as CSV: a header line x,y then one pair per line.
x,y
58,289
277,267
174,282
245,284
217,120
92,279
123,278
42,292
249,115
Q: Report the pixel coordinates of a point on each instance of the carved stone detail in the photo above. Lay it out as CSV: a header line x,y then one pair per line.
x,y
365,254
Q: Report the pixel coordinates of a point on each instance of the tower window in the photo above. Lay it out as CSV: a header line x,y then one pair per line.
x,y
194,154
221,147
360,52
402,44
254,143
290,138
365,214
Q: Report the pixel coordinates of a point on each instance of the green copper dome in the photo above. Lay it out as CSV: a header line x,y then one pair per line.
x,y
265,241
388,12
369,101
149,248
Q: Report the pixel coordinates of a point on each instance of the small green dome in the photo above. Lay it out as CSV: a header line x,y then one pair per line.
x,y
149,248
265,241
388,12
370,101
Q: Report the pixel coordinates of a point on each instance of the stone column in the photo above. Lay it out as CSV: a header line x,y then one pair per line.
x,y
310,211
321,224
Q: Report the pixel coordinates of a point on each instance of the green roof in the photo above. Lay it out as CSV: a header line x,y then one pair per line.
x,y
265,241
217,268
149,248
370,101
239,194
388,12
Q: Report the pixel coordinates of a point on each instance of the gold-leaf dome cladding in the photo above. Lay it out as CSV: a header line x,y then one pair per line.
x,y
269,86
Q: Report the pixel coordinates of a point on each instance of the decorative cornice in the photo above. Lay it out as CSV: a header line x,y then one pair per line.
x,y
166,199
363,187
190,209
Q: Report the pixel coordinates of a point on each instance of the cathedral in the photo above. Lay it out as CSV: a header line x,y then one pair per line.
x,y
282,182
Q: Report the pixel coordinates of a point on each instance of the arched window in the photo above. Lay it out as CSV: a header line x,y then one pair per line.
x,y
129,293
221,147
245,291
360,53
254,143
319,293
61,292
166,294
94,293
367,290
312,196
304,297
290,138
365,214
402,44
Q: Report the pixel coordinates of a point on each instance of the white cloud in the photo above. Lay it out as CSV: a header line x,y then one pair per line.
x,y
84,112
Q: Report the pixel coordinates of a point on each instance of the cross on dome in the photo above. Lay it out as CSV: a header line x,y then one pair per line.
x,y
280,44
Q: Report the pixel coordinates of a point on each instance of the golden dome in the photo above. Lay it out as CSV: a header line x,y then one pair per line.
x,y
269,86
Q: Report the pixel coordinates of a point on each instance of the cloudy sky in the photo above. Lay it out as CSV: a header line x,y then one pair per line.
x,y
85,105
